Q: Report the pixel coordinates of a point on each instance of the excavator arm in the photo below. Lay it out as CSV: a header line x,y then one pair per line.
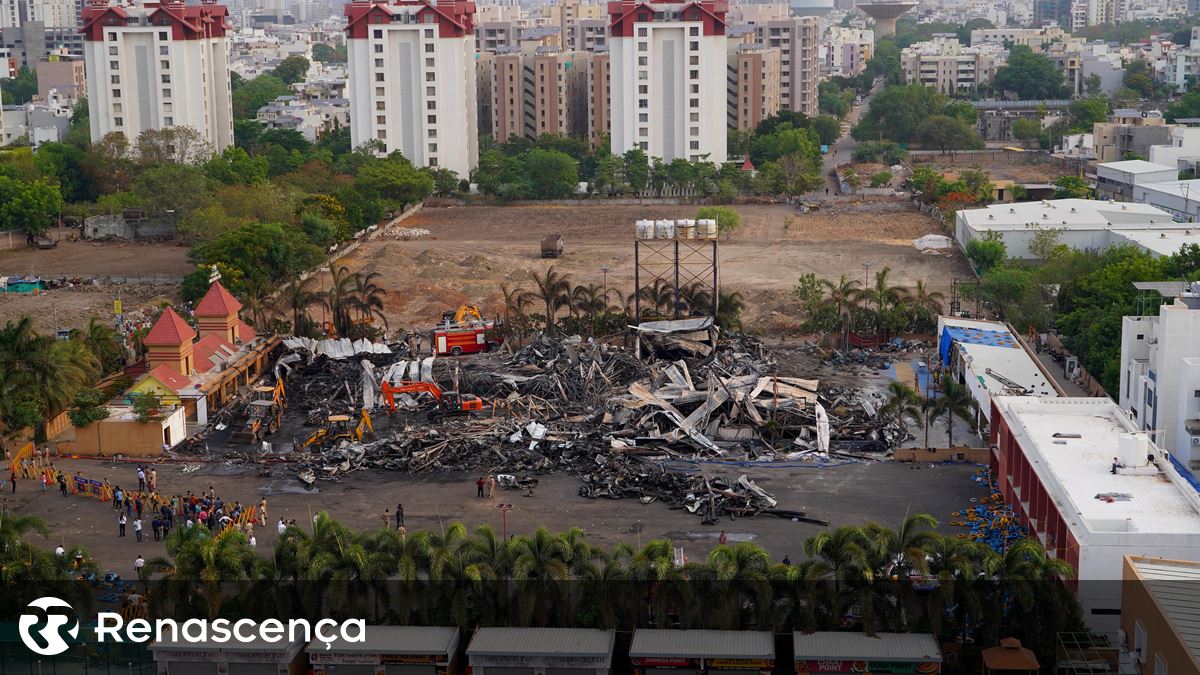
x,y
390,391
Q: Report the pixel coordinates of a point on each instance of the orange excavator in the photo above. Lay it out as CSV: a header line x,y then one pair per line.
x,y
448,402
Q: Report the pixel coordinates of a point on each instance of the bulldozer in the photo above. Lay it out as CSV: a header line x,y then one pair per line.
x,y
263,415
337,428
448,402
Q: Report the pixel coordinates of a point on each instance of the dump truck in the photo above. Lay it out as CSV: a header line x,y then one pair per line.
x,y
552,246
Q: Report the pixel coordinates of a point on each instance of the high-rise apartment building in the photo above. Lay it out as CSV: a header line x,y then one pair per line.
x,y
158,65
847,50
798,40
599,93
945,65
668,76
543,91
412,80
753,86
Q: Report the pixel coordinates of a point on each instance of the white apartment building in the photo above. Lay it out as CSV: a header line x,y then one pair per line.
x,y
668,70
411,80
1160,374
847,50
948,67
158,65
1032,37
54,13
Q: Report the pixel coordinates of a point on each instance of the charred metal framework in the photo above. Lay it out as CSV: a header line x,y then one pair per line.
x,y
677,263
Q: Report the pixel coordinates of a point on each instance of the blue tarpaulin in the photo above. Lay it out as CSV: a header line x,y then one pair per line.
x,y
973,336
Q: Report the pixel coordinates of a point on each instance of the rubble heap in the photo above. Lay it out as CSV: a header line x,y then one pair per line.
x,y
620,418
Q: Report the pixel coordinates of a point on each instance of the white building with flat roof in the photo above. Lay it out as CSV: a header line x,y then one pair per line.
x,y
1160,375
1091,488
1080,223
991,361
1180,198
1117,180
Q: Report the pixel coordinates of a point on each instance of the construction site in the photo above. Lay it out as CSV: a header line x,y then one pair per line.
x,y
673,426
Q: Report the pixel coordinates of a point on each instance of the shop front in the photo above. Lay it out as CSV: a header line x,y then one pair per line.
x,y
541,651
390,650
861,654
676,652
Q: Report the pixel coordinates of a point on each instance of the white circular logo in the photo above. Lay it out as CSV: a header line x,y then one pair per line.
x,y
41,631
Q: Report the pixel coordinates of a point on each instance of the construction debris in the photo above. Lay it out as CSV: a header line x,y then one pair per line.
x,y
630,420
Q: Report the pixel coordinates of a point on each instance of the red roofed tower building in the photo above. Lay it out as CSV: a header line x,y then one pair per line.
x,y
217,314
668,63
155,65
411,80
169,343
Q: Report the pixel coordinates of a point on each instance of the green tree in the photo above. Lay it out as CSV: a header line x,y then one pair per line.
x,y
234,166
21,89
552,174
89,406
64,163
394,181
948,134
1086,112
727,219
29,206
177,189
1029,75
881,179
1071,187
254,94
265,253
291,70
326,54
1093,86
986,253
1026,130
898,112
554,290
636,169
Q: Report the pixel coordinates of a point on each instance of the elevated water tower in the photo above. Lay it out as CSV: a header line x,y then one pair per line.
x,y
885,15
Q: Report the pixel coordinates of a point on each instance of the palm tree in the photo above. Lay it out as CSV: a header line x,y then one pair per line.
x,y
298,296
340,299
661,295
554,290
203,566
368,296
926,305
516,301
260,303
589,300
883,296
903,402
742,573
842,551
841,297
101,340
955,401
729,310
13,529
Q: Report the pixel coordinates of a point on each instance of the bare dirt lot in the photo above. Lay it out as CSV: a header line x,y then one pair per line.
x,y
1000,165
472,250
73,307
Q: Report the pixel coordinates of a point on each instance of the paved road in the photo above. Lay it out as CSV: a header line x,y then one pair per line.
x,y
843,148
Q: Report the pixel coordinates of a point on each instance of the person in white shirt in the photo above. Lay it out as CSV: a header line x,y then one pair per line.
x,y
137,529
282,526
138,564
253,542
60,551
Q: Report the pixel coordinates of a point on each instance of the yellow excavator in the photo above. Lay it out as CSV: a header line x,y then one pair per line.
x,y
264,414
462,315
337,427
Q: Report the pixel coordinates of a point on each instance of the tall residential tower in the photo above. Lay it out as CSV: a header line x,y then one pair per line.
x,y
156,65
412,83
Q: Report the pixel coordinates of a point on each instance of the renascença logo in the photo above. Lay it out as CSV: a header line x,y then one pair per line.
x,y
42,631
112,627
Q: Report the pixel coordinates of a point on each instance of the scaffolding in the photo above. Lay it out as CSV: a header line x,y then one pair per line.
x,y
683,266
